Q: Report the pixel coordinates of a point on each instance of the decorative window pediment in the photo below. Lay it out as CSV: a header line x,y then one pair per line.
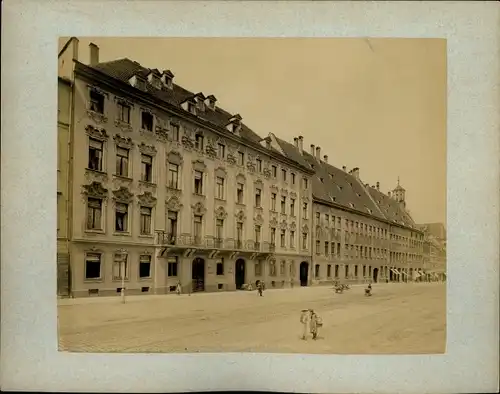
x,y
95,189
274,189
199,209
96,133
174,157
273,222
199,165
293,195
221,172
174,204
220,213
267,172
98,90
284,192
146,199
123,195
240,178
240,216
124,101
258,219
259,184
147,149
305,228
123,142
293,226
283,225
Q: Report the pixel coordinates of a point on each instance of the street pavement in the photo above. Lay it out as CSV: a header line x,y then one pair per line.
x,y
397,319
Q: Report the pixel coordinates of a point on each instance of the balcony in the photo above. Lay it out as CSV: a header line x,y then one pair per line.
x,y
188,245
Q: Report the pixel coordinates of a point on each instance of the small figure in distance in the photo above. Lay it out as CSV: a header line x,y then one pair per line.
x,y
260,288
368,290
315,323
304,319
178,288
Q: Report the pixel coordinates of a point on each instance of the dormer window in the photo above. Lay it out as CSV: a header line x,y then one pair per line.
x,y
191,107
154,80
351,205
210,102
198,142
147,121
140,84
234,124
167,78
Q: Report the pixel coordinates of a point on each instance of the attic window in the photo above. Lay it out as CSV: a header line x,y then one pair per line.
x,y
369,210
156,82
359,195
191,107
339,187
321,179
140,84
351,205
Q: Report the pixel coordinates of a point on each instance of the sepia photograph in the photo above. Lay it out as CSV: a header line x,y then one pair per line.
x,y
251,195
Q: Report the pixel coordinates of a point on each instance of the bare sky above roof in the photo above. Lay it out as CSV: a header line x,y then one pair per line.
x,y
376,104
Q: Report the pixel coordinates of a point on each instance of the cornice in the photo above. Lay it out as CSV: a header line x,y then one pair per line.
x,y
117,85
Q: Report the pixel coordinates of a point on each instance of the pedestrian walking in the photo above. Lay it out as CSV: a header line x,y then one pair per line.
x,y
304,319
315,323
260,288
178,288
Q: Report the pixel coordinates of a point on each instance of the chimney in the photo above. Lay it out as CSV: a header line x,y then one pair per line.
x,y
344,168
318,153
296,142
325,159
378,186
312,150
75,48
301,144
94,54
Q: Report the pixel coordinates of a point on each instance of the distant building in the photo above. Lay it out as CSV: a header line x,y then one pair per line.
x,y
158,186
435,250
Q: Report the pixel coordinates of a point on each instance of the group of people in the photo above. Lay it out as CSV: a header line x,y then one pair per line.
x,y
310,318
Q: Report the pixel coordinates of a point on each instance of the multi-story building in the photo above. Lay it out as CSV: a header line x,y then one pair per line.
x,y
359,233
434,250
168,188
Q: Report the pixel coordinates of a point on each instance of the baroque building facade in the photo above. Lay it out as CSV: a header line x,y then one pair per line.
x,y
167,189
160,187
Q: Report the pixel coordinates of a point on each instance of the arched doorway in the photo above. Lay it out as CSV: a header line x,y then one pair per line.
x,y
304,273
375,275
239,273
391,275
198,274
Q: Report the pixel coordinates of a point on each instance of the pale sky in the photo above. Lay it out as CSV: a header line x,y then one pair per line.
x,y
377,104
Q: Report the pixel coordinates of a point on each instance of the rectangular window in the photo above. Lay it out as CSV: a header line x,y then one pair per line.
x,y
174,128
219,192
198,142
172,266
147,121
198,220
318,245
304,211
318,218
355,271
95,154
329,270
220,267
283,235
347,271
173,176
121,217
273,236
326,248
146,168
292,239
120,267
239,193
292,207
258,198
145,266
258,268
293,178
257,233
198,182
221,151
124,113
336,270
96,102
122,161
316,271
273,201
259,165
239,234
327,219
283,204
93,266
338,250
145,220
283,175
304,241
241,158
274,171
219,229
172,225
306,183
94,213
332,248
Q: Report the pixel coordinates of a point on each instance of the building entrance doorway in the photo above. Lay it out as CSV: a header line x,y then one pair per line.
x,y
304,273
239,273
198,274
375,275
391,275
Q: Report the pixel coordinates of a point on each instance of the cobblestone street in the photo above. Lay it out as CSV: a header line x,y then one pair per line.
x,y
397,319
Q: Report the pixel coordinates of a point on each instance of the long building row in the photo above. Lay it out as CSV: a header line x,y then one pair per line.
x,y
159,186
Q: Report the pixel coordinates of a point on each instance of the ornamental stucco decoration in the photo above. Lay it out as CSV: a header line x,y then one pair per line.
x,y
96,133
240,216
284,225
199,209
123,195
147,149
273,222
220,213
258,219
123,142
305,228
147,199
174,203
174,157
95,189
293,226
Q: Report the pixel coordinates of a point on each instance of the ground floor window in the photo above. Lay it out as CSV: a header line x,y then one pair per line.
x,y
282,267
336,270
145,266
93,266
120,267
329,270
355,271
346,271
220,267
258,268
172,266
272,268
316,271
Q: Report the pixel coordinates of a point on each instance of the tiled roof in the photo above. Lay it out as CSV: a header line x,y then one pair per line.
x,y
391,208
292,152
124,69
